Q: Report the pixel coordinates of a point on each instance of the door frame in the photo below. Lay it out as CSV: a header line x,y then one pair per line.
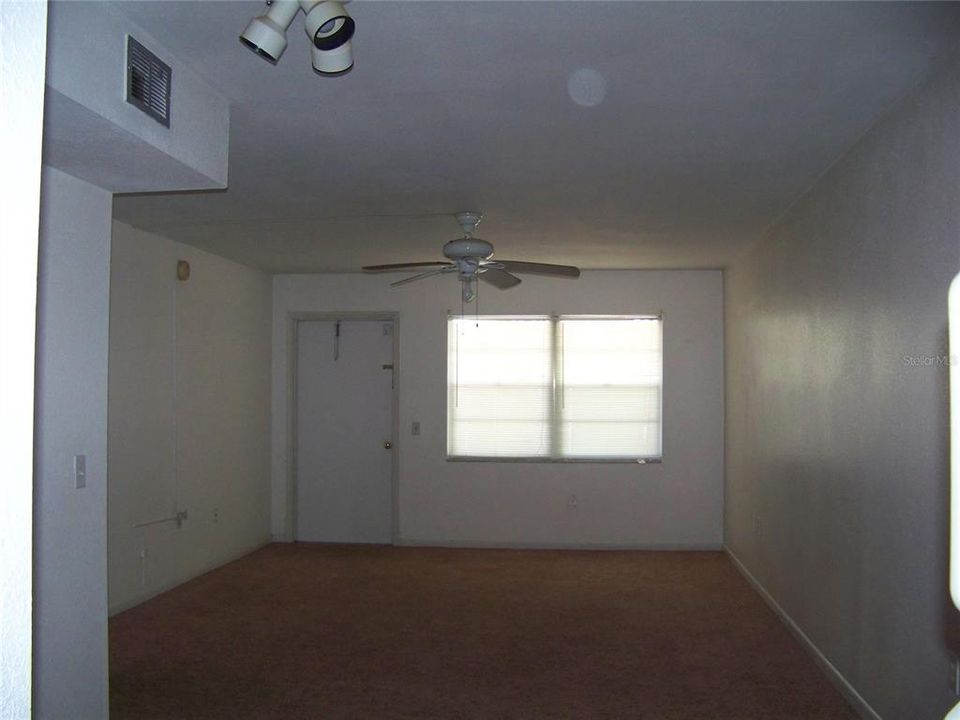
x,y
293,351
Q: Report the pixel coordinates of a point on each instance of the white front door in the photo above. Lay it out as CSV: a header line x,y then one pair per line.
x,y
344,421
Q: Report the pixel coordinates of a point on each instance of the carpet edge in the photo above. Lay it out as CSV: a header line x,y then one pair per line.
x,y
856,700
467,545
166,587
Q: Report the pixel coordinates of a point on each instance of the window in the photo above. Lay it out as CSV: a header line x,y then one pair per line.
x,y
555,388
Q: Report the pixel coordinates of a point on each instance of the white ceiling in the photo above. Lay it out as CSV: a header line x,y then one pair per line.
x,y
716,117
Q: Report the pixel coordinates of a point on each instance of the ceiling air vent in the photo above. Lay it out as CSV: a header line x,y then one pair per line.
x,y
148,82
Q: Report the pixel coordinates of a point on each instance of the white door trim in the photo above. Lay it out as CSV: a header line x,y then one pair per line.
x,y
293,346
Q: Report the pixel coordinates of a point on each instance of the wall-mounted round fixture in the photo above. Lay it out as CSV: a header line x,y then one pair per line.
x,y
183,270
327,24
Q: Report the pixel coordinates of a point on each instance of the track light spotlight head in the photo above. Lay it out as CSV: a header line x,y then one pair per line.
x,y
328,24
332,62
266,35
264,39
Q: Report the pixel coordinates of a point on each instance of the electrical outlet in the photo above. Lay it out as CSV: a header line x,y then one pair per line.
x,y
415,427
572,501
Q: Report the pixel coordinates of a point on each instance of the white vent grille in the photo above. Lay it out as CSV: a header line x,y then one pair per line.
x,y
148,82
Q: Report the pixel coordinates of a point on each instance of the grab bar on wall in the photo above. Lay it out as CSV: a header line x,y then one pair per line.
x,y
178,519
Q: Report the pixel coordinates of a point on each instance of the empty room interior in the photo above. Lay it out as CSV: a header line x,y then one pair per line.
x,y
480,359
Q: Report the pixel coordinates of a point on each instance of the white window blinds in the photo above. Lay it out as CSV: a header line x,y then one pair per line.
x,y
563,388
500,387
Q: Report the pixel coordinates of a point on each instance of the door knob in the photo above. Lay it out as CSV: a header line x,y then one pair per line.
x,y
387,444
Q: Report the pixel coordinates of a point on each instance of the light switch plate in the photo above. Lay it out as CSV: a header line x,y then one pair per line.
x,y
80,471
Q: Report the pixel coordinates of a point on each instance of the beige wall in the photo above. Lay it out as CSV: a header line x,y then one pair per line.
x,y
189,413
70,598
93,144
836,497
676,504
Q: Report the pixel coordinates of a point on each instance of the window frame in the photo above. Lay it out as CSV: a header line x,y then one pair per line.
x,y
555,320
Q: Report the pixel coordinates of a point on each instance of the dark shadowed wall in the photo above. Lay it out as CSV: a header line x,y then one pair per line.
x,y
837,459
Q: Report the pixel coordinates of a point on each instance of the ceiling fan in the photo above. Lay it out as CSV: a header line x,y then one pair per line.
x,y
470,258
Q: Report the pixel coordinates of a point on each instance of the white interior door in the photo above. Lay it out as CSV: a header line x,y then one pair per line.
x,y
344,421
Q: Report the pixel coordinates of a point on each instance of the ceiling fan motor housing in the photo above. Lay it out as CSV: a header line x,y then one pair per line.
x,y
468,248
470,259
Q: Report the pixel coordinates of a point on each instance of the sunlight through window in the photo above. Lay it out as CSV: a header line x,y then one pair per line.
x,y
554,387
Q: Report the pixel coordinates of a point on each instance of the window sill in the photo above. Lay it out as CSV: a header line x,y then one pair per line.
x,y
603,460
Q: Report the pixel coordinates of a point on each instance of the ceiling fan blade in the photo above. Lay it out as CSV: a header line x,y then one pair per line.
x,y
400,267
533,268
422,275
499,278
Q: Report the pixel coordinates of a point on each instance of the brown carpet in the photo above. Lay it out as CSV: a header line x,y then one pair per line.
x,y
319,631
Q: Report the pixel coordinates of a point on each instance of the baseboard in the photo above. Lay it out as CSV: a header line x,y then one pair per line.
x,y
160,589
473,545
835,676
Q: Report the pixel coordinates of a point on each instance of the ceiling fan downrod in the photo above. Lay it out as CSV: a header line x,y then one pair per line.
x,y
468,222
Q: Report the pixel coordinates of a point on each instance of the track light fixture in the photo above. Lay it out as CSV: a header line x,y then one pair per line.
x,y
327,24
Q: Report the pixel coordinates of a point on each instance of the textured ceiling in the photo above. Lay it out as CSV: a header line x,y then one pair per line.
x,y
713,118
